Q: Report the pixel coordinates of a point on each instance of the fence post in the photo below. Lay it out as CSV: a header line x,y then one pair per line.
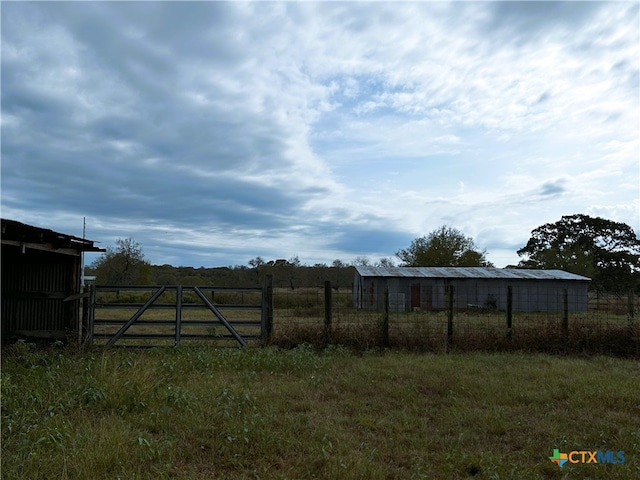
x,y
565,312
630,312
450,291
178,314
385,318
509,310
266,324
328,305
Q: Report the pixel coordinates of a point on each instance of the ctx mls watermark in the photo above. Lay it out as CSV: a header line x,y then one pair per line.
x,y
586,456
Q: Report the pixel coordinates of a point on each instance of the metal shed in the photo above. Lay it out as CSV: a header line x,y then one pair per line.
x,y
41,281
425,288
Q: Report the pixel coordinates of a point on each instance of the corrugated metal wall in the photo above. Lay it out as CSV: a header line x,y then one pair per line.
x,y
34,285
528,295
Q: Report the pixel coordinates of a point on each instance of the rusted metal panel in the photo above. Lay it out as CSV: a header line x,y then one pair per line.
x,y
40,269
18,233
34,286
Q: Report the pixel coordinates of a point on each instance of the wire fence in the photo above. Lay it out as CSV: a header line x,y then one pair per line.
x,y
463,317
550,320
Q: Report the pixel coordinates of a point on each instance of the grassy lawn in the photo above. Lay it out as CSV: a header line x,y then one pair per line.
x,y
196,413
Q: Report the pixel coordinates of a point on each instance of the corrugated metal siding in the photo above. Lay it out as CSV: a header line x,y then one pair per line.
x,y
529,295
34,285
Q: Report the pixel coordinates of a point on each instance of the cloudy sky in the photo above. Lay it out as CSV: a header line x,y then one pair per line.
x,y
212,133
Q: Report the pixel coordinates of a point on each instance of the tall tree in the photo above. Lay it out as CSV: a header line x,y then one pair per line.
x,y
444,247
123,265
256,262
608,252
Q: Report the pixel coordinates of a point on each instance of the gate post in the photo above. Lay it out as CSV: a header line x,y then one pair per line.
x,y
92,314
327,313
266,324
84,320
178,315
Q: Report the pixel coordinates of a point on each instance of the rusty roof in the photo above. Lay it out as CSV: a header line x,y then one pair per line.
x,y
20,233
468,272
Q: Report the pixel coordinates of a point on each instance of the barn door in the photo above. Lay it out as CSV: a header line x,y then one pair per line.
x,y
415,295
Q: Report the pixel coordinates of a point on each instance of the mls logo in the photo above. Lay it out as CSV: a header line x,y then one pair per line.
x,y
559,458
584,456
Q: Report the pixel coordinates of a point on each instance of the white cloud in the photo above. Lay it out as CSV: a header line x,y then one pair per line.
x,y
292,127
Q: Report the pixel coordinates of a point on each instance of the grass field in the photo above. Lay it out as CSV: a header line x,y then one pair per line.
x,y
201,413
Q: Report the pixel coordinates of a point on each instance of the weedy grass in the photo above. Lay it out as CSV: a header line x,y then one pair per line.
x,y
427,331
195,413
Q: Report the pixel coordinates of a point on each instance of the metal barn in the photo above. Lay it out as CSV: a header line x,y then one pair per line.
x,y
425,288
41,281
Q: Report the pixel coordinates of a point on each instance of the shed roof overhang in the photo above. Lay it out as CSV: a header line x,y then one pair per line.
x,y
29,237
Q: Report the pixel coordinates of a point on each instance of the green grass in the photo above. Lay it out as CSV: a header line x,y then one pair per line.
x,y
196,413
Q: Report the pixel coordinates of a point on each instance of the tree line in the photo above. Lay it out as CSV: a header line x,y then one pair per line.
x,y
125,264
608,252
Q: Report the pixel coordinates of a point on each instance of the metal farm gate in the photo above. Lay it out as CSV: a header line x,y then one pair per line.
x,y
148,316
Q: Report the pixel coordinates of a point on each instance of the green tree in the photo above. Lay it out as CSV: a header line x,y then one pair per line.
x,y
256,262
444,247
123,265
608,252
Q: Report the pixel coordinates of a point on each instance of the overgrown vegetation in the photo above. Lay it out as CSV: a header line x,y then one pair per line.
x,y
301,413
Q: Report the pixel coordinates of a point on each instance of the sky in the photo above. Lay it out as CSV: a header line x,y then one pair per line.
x,y
215,132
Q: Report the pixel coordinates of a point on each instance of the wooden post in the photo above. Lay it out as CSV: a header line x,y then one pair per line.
x,y
630,312
266,326
84,328
509,310
450,291
385,318
178,314
327,313
92,313
565,312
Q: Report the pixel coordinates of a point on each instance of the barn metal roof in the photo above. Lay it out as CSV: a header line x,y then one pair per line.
x,y
468,272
